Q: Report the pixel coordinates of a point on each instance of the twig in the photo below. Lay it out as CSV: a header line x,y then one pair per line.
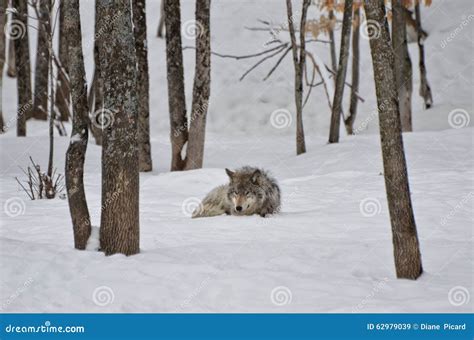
x,y
261,61
238,57
347,84
31,197
277,63
316,68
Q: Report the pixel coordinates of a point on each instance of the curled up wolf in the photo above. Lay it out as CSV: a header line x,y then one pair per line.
x,y
250,191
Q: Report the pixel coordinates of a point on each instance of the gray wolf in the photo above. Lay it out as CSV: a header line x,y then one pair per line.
x,y
249,191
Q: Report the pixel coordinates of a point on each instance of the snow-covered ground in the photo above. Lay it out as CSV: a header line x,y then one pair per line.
x,y
329,250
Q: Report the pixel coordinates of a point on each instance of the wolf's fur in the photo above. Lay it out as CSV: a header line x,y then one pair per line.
x,y
250,189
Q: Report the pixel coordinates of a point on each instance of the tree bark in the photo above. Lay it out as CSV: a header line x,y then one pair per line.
x,y
40,99
403,69
76,152
175,75
201,87
50,190
299,64
96,94
63,95
22,63
161,24
11,67
3,16
349,122
425,89
332,44
341,73
405,240
144,147
95,98
119,230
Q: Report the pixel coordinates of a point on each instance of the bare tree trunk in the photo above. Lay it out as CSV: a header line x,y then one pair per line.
x,y
201,88
76,153
63,96
95,98
11,70
3,16
341,73
175,74
425,89
22,60
161,24
403,69
144,147
332,44
49,184
119,230
349,122
11,65
299,64
405,240
40,99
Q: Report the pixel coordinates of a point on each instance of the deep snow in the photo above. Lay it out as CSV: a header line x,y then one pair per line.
x,y
328,251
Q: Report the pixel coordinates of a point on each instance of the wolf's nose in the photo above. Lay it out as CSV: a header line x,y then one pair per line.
x,y
238,208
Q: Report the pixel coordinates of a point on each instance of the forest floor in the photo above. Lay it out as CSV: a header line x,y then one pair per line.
x,y
329,250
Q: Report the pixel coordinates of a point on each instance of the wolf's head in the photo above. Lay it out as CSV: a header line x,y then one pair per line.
x,y
244,191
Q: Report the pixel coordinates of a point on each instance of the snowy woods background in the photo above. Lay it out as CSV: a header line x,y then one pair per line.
x,y
329,250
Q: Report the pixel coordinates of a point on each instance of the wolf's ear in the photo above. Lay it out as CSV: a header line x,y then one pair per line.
x,y
229,173
255,176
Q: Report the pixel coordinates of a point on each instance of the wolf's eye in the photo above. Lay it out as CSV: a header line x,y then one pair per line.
x,y
247,193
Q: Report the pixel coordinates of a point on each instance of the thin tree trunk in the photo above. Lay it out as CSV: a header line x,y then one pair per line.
x,y
201,88
22,60
11,64
119,229
161,24
349,122
3,16
299,64
332,44
11,70
175,75
144,147
63,96
403,69
76,152
40,99
405,240
341,73
425,89
50,190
